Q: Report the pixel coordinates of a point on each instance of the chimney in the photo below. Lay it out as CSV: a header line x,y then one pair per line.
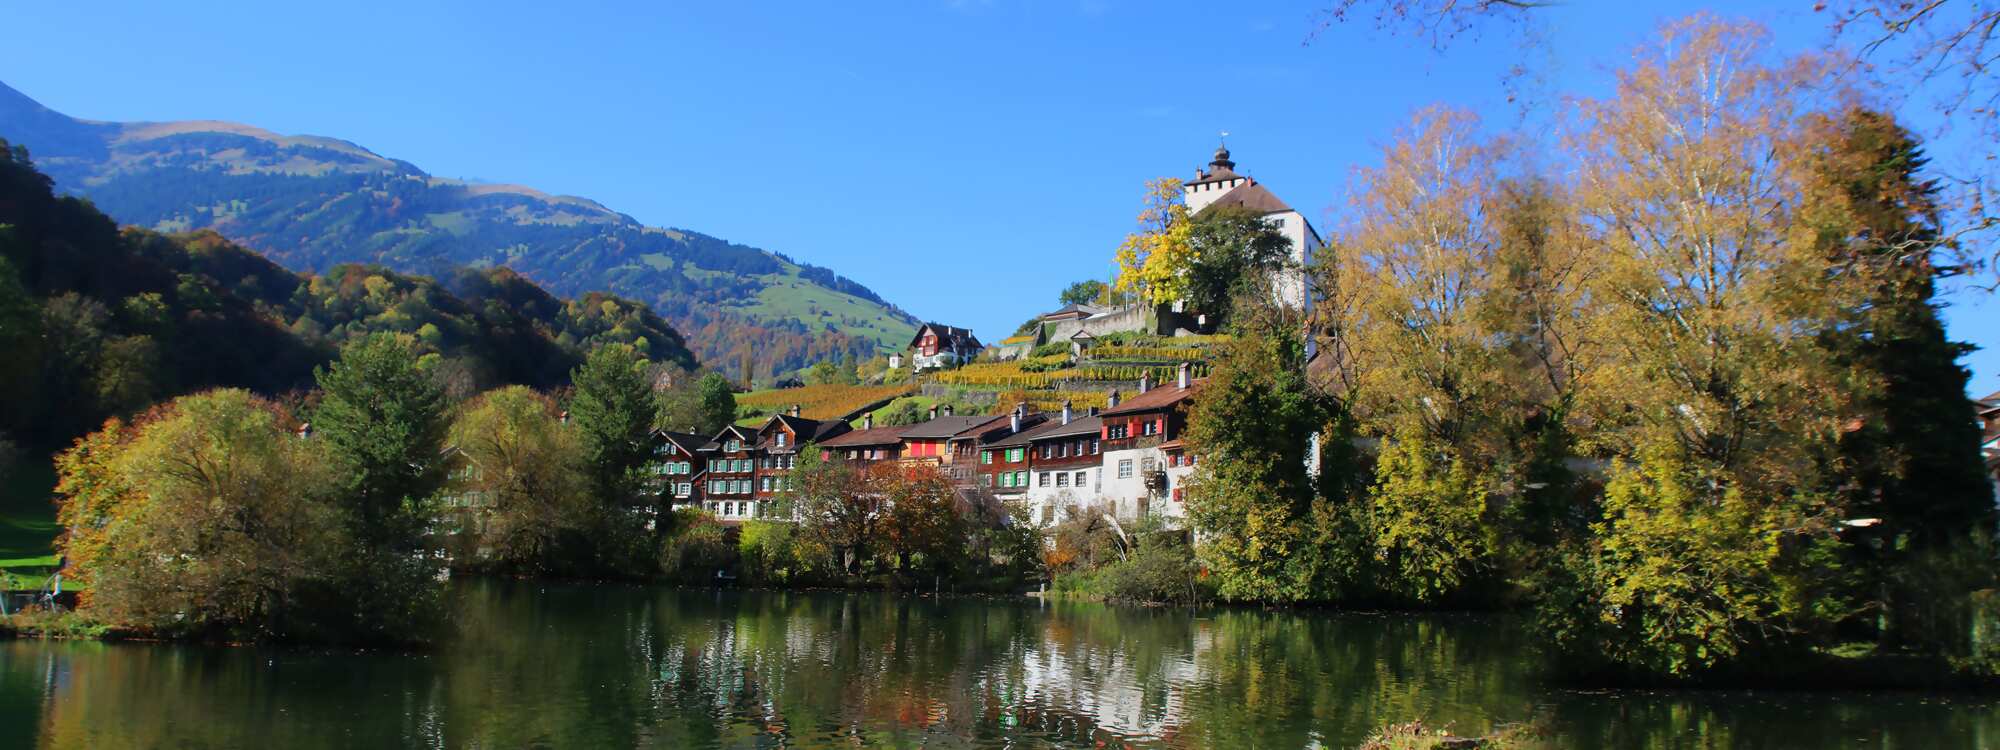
x,y
948,409
1145,381
933,411
868,421
1014,419
795,410
1066,411
1112,403
1093,411
1184,375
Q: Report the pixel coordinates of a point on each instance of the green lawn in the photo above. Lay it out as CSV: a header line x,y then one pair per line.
x,y
28,520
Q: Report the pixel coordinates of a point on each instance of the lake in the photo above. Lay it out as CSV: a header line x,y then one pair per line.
x,y
583,666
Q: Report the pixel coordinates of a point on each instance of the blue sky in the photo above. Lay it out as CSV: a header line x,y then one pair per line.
x,y
966,159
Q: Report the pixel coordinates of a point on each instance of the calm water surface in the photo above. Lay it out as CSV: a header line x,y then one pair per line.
x,y
619,667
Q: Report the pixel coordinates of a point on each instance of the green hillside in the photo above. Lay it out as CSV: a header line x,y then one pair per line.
x,y
312,203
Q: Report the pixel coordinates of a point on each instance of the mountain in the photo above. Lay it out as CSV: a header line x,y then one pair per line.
x,y
311,203
95,321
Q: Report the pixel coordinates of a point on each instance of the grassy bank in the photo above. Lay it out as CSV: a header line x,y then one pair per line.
x,y
28,525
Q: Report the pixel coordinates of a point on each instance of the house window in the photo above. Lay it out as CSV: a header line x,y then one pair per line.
x,y
1044,479
1079,479
1125,469
732,445
1020,479
1149,428
766,484
781,440
986,457
686,489
1016,455
1062,479
1118,431
1096,447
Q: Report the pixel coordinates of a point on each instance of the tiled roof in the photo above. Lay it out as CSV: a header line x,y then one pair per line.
x,y
1160,397
1251,195
1052,430
948,427
1079,310
868,437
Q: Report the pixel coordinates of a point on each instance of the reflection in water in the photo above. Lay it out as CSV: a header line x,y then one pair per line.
x,y
616,667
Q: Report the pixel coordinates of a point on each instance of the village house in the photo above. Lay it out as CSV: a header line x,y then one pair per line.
x,y
1003,460
778,443
935,346
1134,433
867,445
729,485
1064,465
952,442
677,460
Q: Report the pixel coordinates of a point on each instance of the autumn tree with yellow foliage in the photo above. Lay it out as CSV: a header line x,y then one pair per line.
x,y
1153,262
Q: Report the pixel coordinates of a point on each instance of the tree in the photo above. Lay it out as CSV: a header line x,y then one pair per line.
x,y
206,518
21,337
1945,49
1153,262
1086,292
921,519
1438,20
1234,253
1718,522
703,406
518,468
612,411
1251,500
838,506
383,420
1912,460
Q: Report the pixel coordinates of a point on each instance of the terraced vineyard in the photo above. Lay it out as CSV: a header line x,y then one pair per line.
x,y
817,401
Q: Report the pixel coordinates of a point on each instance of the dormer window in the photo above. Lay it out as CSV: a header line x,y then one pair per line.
x,y
731,446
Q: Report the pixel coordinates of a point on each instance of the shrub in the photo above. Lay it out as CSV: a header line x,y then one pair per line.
x,y
697,548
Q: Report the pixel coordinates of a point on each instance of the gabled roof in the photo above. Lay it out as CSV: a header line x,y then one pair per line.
x,y
874,436
687,441
1073,310
1053,430
952,337
950,427
807,430
1157,399
1251,195
736,431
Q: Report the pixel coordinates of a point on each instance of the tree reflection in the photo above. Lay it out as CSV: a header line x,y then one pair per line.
x,y
614,666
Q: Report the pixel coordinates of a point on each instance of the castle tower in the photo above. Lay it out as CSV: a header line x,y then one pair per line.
x,y
1209,184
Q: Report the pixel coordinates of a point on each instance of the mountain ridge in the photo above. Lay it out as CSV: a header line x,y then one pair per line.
x,y
312,202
